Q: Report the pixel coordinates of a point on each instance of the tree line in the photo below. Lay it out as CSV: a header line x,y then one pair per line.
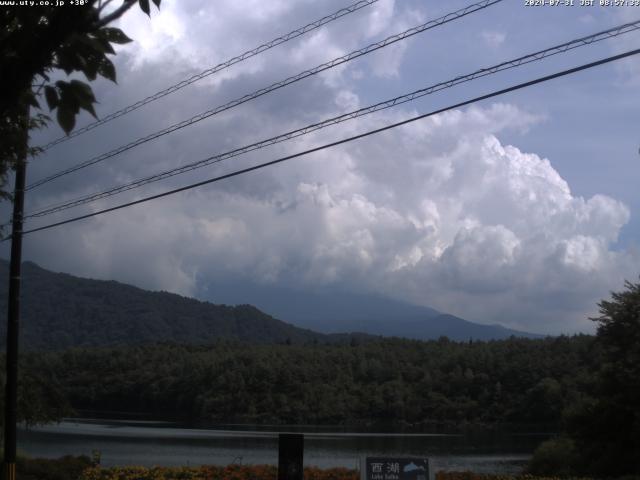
x,y
406,382
586,388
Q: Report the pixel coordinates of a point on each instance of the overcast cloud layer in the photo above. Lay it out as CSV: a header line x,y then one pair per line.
x,y
457,211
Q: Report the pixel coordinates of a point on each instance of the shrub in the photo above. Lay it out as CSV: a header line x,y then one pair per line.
x,y
211,472
65,468
557,456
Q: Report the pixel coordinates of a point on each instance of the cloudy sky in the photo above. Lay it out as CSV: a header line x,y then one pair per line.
x,y
519,210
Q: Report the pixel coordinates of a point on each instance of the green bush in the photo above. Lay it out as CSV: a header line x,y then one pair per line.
x,y
557,457
65,468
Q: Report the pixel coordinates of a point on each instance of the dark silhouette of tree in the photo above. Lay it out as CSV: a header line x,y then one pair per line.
x,y
377,381
606,429
36,40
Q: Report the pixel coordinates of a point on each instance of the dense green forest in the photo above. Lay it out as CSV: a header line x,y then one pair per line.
x,y
587,388
62,311
516,381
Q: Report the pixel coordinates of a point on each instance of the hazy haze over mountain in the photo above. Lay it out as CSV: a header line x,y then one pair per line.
x,y
331,310
60,311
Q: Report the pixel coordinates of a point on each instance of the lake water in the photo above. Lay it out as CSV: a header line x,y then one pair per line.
x,y
149,443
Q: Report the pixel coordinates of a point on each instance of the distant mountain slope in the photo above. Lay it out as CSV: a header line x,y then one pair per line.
x,y
333,310
60,310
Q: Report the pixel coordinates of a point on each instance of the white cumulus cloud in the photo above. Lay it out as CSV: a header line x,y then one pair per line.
x,y
439,212
442,212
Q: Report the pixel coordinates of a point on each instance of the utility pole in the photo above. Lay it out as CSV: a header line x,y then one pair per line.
x,y
13,316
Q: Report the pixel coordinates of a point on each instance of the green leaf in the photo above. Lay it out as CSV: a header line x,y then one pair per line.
x,y
107,69
113,35
91,66
144,6
87,61
68,60
106,46
68,99
32,101
89,108
51,94
94,44
84,96
66,118
82,90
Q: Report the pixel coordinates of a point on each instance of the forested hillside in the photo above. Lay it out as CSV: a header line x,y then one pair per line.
x,y
61,311
516,381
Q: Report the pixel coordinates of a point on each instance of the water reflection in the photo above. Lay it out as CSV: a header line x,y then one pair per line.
x,y
125,442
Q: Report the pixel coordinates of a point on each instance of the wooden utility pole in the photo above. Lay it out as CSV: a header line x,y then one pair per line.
x,y
13,316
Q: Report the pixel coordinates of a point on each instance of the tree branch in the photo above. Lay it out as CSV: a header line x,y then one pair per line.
x,y
117,13
102,5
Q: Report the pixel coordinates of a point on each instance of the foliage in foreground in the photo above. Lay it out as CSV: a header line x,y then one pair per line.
x,y
607,430
602,429
269,472
557,456
401,381
37,41
209,472
65,468
80,468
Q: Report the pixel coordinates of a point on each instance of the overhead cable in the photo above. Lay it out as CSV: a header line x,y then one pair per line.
x,y
339,142
523,60
210,71
275,86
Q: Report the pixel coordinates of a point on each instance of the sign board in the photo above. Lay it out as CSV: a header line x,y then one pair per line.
x,y
290,456
395,468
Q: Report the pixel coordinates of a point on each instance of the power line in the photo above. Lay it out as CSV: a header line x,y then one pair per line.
x,y
340,142
221,66
275,86
532,57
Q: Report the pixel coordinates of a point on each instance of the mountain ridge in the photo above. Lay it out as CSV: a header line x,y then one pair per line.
x,y
60,310
72,311
331,310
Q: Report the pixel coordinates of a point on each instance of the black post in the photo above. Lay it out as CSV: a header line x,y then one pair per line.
x,y
290,456
13,320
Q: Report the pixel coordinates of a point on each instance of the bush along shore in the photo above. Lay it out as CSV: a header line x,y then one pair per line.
x,y
84,468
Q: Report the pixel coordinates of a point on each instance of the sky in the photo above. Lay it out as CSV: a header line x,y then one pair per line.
x,y
520,210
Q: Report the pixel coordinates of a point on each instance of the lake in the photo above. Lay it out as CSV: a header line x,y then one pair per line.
x,y
147,443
